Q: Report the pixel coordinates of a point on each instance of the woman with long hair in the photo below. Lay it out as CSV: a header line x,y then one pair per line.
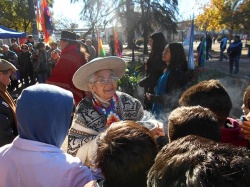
x,y
171,82
154,66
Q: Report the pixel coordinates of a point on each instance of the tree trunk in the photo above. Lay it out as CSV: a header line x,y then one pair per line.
x,y
130,25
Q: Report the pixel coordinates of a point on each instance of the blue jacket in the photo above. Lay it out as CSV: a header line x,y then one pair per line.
x,y
223,43
234,49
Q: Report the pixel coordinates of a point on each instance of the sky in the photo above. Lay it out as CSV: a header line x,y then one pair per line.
x,y
66,9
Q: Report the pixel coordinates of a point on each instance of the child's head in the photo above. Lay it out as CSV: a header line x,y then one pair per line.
x,y
195,161
193,120
126,151
174,56
210,94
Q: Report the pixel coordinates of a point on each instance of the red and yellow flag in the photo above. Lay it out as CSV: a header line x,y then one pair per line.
x,y
101,51
118,50
44,20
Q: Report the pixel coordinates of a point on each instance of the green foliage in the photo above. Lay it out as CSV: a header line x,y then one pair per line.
x,y
14,14
128,83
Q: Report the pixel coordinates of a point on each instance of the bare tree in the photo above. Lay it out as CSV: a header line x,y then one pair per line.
x,y
65,23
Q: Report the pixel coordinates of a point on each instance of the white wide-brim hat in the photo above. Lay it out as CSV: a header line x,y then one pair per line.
x,y
81,76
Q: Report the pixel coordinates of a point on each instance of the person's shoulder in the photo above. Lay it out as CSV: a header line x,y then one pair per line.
x,y
5,148
85,103
125,97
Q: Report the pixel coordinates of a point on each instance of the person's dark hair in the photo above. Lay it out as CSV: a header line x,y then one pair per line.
x,y
40,44
159,42
210,94
193,161
237,37
81,48
194,120
126,151
178,57
24,46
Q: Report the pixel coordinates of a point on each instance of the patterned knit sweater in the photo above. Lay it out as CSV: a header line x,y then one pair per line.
x,y
88,123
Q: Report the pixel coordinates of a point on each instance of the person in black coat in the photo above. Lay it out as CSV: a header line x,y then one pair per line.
x,y
154,66
24,66
8,122
172,82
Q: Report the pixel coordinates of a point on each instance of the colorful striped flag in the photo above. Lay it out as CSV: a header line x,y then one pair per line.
x,y
118,50
101,51
44,20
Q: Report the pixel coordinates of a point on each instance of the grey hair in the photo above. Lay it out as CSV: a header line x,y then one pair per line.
x,y
92,77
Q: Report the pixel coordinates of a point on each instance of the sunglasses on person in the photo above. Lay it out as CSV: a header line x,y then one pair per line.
x,y
24,48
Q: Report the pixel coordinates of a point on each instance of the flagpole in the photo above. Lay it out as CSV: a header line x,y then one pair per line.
x,y
32,17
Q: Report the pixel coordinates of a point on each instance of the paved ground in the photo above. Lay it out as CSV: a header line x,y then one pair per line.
x,y
244,68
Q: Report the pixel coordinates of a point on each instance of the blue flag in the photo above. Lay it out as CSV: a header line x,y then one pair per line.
x,y
188,46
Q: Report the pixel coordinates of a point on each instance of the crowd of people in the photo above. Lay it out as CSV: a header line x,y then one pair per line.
x,y
112,141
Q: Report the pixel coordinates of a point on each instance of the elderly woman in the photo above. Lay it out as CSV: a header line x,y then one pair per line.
x,y
104,105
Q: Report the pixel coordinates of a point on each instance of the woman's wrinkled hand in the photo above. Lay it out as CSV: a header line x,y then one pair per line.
x,y
158,130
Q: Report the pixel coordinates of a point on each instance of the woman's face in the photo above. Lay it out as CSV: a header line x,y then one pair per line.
x,y
150,42
5,78
166,55
104,84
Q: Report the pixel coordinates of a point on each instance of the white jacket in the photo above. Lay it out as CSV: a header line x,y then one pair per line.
x,y
27,163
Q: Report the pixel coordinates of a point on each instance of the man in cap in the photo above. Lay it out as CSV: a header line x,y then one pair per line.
x,y
72,57
13,41
8,124
30,40
30,48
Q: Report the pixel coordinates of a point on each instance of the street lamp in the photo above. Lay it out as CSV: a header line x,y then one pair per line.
x,y
132,6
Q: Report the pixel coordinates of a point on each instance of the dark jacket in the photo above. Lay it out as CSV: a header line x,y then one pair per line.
x,y
176,84
11,57
234,49
24,62
8,130
155,67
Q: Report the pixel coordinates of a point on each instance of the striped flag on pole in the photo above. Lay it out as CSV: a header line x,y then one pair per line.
x,y
44,21
101,51
118,50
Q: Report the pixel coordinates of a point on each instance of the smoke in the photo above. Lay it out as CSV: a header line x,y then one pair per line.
x,y
170,103
235,88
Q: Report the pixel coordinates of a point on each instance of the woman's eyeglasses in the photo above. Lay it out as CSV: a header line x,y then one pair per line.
x,y
102,81
24,48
